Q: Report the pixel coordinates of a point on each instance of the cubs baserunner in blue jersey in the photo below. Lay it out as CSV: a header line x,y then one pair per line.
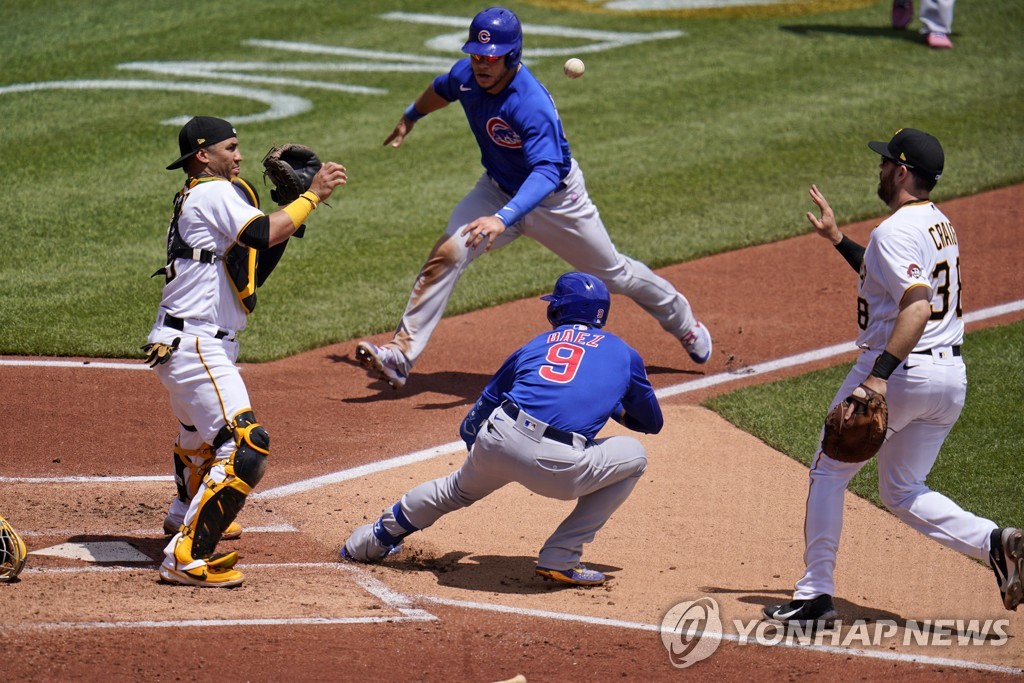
x,y
535,424
532,186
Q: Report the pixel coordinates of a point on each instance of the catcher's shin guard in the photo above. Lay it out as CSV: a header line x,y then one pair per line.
x,y
12,552
222,497
190,467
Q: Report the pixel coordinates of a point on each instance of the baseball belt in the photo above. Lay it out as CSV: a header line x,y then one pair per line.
x,y
553,433
176,323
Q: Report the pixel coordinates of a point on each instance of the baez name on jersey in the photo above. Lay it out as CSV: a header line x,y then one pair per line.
x,y
573,336
942,235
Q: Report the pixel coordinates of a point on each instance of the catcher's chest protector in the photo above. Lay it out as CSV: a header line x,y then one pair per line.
x,y
239,261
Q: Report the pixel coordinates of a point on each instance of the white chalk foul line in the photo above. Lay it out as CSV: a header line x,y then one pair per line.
x,y
790,361
84,480
682,388
186,623
360,471
455,446
267,529
397,601
102,365
731,637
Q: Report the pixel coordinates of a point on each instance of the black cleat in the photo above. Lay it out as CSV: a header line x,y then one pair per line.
x,y
820,609
1006,557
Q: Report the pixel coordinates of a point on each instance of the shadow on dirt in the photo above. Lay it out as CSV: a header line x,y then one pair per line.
x,y
491,573
464,386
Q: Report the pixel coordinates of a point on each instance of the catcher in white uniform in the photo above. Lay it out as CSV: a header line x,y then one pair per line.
x,y
911,330
220,247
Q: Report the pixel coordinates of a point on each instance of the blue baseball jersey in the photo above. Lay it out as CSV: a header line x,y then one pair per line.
x,y
573,378
518,131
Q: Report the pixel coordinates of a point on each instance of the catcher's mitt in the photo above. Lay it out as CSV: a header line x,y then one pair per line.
x,y
12,552
291,169
858,438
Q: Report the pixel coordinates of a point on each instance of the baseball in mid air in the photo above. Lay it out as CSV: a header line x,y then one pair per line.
x,y
574,67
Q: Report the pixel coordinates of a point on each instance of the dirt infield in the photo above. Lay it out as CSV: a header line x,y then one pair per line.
x,y
718,514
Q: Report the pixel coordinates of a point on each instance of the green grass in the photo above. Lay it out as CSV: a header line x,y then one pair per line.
x,y
691,146
979,465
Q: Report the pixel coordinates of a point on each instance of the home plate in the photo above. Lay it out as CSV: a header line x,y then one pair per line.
x,y
100,551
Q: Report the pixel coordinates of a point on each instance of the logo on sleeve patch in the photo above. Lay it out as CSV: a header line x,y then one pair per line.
x,y
502,134
914,271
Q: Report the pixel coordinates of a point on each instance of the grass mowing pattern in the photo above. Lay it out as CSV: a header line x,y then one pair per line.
x,y
691,146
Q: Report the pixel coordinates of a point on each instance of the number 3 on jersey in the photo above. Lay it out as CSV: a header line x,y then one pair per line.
x,y
565,361
948,289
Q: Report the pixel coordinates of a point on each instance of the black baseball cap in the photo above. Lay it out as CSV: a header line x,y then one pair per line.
x,y
914,149
199,132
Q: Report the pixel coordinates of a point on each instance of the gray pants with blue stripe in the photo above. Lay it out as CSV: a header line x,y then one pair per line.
x,y
600,475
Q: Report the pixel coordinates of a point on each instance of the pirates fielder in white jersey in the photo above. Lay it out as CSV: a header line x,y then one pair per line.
x,y
911,329
220,247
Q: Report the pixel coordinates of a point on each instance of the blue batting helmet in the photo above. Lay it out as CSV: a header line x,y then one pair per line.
x,y
496,31
578,298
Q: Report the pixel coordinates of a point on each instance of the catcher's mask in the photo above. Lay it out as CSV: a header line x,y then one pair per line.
x,y
578,298
12,552
495,32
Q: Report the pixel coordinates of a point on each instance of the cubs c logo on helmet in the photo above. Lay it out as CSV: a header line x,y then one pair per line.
x,y
483,37
502,134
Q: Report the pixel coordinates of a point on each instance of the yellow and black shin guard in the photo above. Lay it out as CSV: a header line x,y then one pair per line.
x,y
190,467
218,507
221,502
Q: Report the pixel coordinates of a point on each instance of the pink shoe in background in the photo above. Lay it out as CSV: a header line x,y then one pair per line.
x,y
939,41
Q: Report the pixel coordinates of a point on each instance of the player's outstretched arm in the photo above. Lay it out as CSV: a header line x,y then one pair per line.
x,y
827,228
428,101
826,225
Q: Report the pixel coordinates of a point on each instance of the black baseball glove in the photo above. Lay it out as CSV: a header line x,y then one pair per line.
x,y
291,169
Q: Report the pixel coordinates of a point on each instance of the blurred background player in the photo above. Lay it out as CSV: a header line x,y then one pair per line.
x,y
531,186
535,424
936,20
220,247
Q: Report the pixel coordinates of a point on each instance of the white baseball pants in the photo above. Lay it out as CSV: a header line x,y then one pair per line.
x,y
925,402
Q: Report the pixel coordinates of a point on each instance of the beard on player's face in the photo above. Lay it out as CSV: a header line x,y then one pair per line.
x,y
887,190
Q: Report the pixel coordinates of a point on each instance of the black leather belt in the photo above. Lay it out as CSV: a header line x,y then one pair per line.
x,y
956,352
178,324
553,433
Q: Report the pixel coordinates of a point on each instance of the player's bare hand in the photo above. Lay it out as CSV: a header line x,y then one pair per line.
x,y
875,384
485,228
402,128
327,178
826,225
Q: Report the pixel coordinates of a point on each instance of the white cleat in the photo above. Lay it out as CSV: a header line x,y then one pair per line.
x,y
697,342
381,359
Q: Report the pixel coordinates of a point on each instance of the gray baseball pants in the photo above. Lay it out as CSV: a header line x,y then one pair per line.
x,y
600,475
